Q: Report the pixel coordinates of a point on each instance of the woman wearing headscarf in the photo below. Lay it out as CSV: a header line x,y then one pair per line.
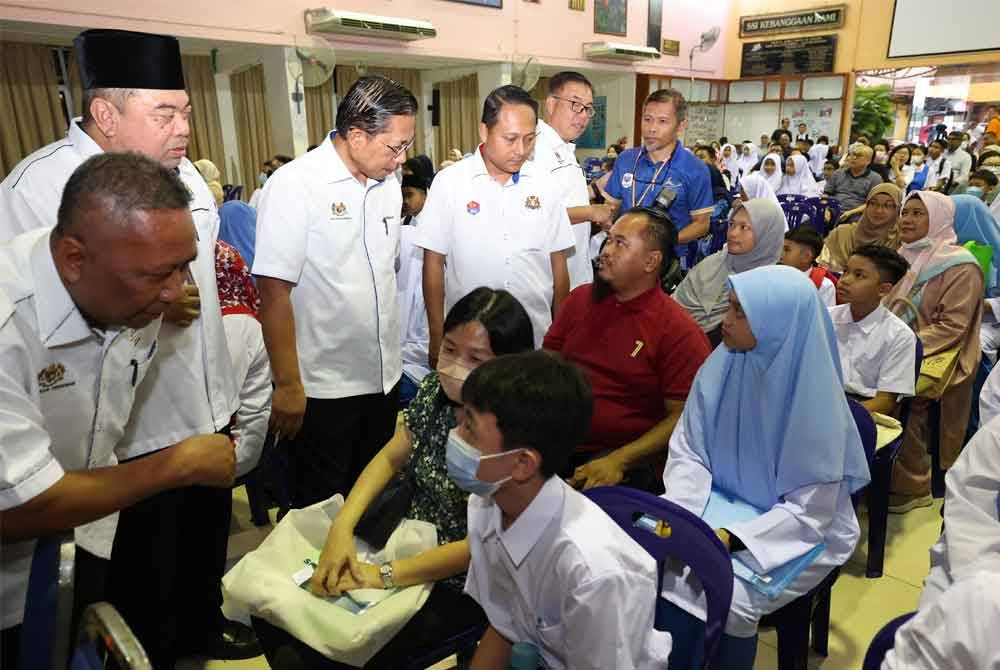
x,y
945,284
754,186
798,179
749,155
878,225
211,175
817,157
238,228
771,170
731,162
974,223
768,454
754,239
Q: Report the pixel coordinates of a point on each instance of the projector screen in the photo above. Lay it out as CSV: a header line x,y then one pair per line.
x,y
928,27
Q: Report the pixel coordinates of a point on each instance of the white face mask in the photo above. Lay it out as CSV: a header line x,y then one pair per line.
x,y
917,160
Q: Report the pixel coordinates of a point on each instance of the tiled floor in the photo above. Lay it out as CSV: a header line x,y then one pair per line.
x,y
860,606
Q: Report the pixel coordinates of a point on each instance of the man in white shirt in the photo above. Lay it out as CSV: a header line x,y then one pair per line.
x,y
328,233
961,161
80,309
939,168
134,100
548,566
568,110
877,349
496,219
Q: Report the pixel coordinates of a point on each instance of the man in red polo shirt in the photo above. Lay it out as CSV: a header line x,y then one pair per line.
x,y
640,349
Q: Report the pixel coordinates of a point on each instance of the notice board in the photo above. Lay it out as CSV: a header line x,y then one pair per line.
x,y
797,56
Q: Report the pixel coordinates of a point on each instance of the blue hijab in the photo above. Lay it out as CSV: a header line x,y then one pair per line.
x,y
973,221
238,228
775,418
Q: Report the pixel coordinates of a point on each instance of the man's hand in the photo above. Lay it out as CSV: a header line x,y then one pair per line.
x,y
339,558
185,310
606,471
288,406
205,460
602,215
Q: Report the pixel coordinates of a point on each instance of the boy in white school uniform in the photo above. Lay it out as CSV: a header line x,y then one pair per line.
x,y
548,566
877,349
801,248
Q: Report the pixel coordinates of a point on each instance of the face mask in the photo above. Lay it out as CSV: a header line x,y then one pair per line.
x,y
917,160
975,192
463,465
880,156
451,375
964,144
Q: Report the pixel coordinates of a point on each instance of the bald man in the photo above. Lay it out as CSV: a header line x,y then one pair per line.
x,y
80,312
851,184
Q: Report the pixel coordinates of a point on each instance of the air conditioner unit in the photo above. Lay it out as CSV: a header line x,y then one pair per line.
x,y
618,51
367,25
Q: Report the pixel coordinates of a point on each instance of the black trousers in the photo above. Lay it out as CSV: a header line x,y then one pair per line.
x,y
338,438
10,647
446,613
167,563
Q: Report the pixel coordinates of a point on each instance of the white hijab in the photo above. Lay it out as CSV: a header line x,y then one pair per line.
x,y
733,162
800,183
779,168
746,163
817,157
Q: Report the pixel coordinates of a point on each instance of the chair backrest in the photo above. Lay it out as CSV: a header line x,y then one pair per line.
x,y
797,213
48,610
104,634
823,205
235,193
718,228
691,541
866,428
883,642
792,199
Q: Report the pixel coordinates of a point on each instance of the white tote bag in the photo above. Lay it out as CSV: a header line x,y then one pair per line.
x,y
261,585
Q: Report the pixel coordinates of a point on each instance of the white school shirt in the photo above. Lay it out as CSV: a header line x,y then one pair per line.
x,y
416,334
569,580
877,353
252,368
804,518
971,518
557,156
956,632
936,171
66,391
336,240
961,163
497,236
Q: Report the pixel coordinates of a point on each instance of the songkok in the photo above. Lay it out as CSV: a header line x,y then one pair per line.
x,y
125,59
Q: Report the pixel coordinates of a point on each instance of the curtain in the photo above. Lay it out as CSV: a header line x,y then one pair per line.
x,y
540,92
206,130
346,76
30,106
319,111
253,124
75,84
459,116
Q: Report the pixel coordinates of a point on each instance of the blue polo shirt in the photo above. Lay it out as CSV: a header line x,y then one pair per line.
x,y
683,172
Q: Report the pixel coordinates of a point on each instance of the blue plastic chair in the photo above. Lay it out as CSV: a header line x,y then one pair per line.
x,y
48,610
878,490
691,541
883,642
104,635
798,213
793,621
828,211
717,229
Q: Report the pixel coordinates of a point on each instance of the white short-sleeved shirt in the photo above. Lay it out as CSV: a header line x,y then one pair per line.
x,y
337,240
416,334
877,353
557,156
497,236
66,391
568,579
937,169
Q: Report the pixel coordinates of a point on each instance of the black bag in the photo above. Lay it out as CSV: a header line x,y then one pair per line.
x,y
387,510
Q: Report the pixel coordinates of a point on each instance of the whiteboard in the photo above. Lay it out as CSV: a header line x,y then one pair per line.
x,y
922,28
750,120
705,124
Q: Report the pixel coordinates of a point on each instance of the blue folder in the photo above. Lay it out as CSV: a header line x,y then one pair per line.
x,y
722,510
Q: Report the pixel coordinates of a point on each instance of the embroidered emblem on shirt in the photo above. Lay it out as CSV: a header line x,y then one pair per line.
x,y
472,207
532,202
627,179
339,209
52,378
639,344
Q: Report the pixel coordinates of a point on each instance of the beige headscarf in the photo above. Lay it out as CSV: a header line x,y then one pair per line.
x,y
844,239
211,175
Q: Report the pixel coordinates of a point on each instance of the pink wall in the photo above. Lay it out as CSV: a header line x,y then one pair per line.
x,y
548,30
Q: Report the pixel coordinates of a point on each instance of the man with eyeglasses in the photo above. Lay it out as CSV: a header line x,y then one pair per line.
x,y
328,232
173,543
851,184
569,108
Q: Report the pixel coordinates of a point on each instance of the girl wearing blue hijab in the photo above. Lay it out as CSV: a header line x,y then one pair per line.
x,y
767,428
975,223
238,228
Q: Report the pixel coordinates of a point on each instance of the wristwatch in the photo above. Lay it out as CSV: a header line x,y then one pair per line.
x,y
385,571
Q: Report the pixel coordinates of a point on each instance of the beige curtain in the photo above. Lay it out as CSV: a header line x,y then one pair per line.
x,y
75,84
459,116
29,102
540,92
319,111
206,130
253,124
347,75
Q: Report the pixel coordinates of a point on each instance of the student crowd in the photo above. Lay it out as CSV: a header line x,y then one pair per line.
x,y
151,340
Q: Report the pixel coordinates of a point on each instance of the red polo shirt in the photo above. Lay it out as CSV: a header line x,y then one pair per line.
x,y
635,353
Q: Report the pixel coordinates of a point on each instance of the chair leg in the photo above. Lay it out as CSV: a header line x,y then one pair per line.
x,y
878,515
934,446
821,622
793,635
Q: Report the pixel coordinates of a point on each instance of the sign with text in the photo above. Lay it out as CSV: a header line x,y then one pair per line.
x,y
796,56
822,18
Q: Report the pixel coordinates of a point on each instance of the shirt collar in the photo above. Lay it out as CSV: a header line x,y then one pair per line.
x,y
552,137
59,320
84,143
865,325
479,167
638,303
338,170
644,153
533,523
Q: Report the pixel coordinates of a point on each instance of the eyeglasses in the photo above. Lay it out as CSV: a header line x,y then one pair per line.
x,y
401,149
888,206
579,107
